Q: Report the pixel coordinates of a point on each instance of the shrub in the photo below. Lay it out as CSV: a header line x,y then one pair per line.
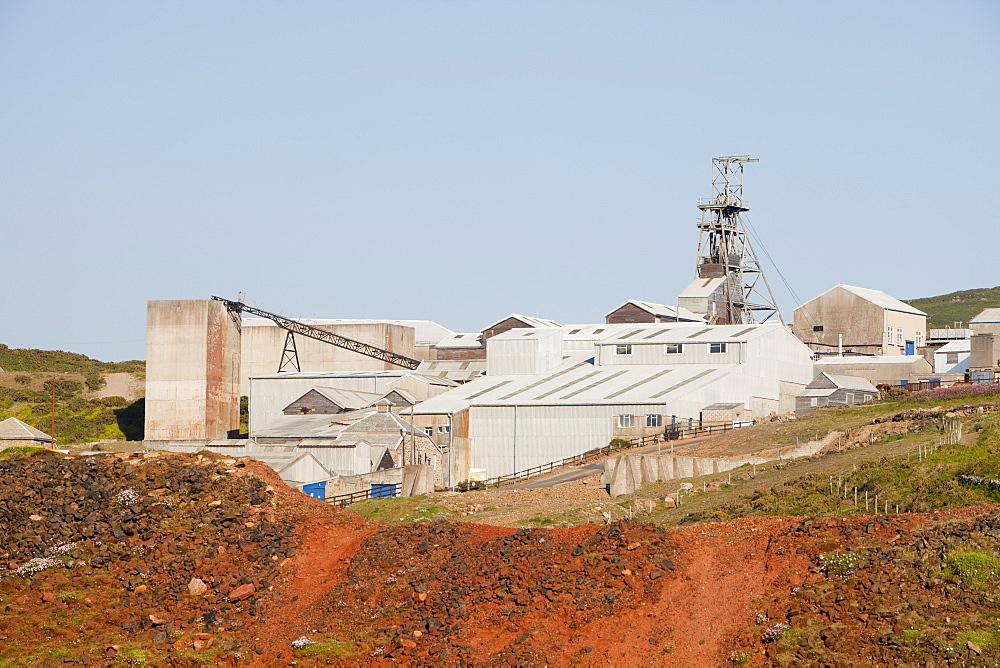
x,y
21,379
94,381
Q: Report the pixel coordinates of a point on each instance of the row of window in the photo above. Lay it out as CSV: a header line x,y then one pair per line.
x,y
890,334
670,348
441,430
628,421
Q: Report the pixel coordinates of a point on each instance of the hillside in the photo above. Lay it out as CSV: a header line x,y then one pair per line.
x,y
94,400
169,559
961,306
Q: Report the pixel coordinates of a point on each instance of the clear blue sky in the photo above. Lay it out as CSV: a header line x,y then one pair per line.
x,y
458,161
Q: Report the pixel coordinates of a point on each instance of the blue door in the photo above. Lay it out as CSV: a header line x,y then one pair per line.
x,y
383,491
910,350
316,490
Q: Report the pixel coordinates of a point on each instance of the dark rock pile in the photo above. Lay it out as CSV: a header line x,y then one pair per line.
x,y
434,581
186,546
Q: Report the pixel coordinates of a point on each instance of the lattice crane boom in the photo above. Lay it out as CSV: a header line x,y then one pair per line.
x,y
296,327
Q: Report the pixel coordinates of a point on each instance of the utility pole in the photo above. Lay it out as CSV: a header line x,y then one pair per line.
x,y
52,429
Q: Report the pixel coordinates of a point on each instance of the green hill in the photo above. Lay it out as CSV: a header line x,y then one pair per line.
x,y
961,306
30,359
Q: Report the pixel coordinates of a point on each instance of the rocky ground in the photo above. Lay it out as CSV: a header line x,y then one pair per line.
x,y
167,559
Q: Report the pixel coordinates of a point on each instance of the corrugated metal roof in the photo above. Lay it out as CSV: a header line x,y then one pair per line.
x,y
855,360
683,333
455,370
876,297
849,382
461,340
661,310
526,319
702,287
577,383
13,429
959,346
425,332
988,316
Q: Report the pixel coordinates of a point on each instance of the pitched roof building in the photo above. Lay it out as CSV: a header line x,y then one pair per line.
x,y
648,312
852,320
15,432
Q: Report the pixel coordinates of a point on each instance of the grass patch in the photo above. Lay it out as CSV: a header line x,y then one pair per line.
x,y
326,649
988,641
975,567
399,509
18,451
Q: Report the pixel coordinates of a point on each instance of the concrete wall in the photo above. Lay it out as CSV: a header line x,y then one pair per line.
x,y
627,473
985,352
263,342
192,370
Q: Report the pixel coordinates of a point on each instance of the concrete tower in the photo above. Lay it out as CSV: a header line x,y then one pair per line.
x,y
192,370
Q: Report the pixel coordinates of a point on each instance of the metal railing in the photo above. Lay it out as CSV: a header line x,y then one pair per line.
x,y
344,500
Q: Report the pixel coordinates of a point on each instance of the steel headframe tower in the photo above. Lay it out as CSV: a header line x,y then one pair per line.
x,y
724,251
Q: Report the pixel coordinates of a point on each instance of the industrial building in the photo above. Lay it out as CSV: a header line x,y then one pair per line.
x,y
880,370
860,321
828,389
558,392
263,341
635,311
984,356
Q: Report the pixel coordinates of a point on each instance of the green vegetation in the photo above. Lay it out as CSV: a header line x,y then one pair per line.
x,y
20,451
988,641
398,509
961,306
326,648
29,359
975,567
78,420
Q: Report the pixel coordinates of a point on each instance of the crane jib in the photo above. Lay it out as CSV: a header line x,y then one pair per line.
x,y
303,329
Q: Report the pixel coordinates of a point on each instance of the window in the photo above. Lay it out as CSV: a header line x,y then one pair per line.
x,y
952,358
888,336
574,331
920,339
654,420
429,431
899,336
623,349
813,401
849,398
717,347
626,421
817,328
444,429
598,331
674,348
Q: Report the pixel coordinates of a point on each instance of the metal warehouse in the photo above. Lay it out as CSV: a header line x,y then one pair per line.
x,y
557,392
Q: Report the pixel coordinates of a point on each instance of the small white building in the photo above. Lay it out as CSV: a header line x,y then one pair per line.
x,y
953,357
